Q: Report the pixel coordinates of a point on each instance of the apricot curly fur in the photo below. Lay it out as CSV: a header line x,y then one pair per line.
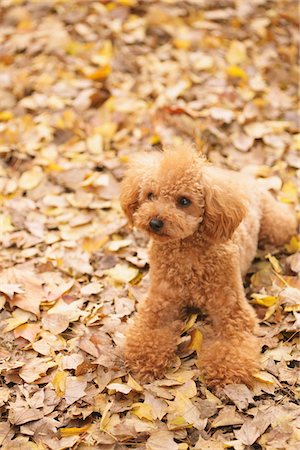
x,y
197,259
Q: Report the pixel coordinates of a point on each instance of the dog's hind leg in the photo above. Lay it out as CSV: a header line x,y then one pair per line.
x,y
278,222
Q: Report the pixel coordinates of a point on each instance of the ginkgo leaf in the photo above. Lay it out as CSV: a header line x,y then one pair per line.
x,y
27,331
18,318
264,377
119,387
35,368
161,440
142,411
74,431
275,263
122,273
236,72
59,382
196,341
32,291
237,53
134,384
264,300
31,178
5,223
10,289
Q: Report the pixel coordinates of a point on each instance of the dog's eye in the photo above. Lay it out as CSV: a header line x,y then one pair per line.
x,y
183,201
150,196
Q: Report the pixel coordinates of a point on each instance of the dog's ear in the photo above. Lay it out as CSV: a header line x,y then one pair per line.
x,y
139,169
225,205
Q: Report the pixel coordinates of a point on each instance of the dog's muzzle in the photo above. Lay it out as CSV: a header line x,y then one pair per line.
x,y
156,225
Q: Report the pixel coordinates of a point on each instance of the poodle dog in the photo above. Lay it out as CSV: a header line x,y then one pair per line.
x,y
205,224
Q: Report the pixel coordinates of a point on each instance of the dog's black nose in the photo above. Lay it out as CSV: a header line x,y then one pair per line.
x,y
156,225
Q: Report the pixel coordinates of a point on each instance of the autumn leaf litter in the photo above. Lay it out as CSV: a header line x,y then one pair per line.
x,y
84,85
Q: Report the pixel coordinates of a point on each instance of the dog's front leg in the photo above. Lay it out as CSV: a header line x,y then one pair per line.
x,y
230,354
152,338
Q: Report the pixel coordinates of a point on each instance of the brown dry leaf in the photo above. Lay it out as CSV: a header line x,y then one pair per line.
x,y
10,289
239,394
183,408
18,416
6,433
18,318
227,416
75,389
27,331
56,323
161,440
35,368
32,291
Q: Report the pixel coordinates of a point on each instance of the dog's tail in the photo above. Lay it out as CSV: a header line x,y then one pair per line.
x,y
278,223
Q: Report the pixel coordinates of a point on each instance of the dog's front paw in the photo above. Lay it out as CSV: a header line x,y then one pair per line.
x,y
230,361
149,352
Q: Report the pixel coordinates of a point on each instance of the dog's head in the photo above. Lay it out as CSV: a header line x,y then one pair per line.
x,y
173,194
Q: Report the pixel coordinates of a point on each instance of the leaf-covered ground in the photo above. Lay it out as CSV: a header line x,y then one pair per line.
x,y
84,84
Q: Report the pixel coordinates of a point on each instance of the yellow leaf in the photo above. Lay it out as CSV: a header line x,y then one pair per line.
x,y
27,331
105,417
74,431
107,129
31,178
264,300
183,446
100,74
296,142
94,144
237,53
74,47
5,116
264,377
154,139
289,193
190,322
53,167
133,384
103,57
274,263
236,72
18,318
212,398
127,2
91,245
122,273
178,422
196,341
189,389
142,411
59,383
183,44
292,308
5,223
294,245
181,375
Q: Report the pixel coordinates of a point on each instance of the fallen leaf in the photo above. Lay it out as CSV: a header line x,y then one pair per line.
x,y
237,53
75,389
122,273
161,440
239,394
18,318
35,368
32,291
31,178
